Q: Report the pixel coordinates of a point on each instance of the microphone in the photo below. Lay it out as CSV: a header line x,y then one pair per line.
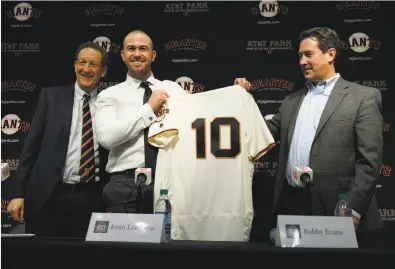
x,y
146,172
302,176
142,175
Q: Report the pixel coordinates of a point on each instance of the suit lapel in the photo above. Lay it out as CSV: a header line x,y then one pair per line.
x,y
66,107
294,114
337,95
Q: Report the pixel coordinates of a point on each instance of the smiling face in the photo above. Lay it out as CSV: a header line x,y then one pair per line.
x,y
316,65
88,69
138,54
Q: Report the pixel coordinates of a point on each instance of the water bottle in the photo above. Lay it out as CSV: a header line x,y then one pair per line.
x,y
272,235
163,206
342,209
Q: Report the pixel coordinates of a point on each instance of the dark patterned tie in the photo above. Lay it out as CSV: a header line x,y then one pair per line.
x,y
150,151
87,160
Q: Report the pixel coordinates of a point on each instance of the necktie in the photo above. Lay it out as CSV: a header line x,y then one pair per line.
x,y
150,152
87,159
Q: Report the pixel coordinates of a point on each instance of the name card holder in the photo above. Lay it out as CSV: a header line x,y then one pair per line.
x,y
315,231
121,227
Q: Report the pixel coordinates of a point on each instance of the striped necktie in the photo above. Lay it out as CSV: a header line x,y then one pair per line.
x,y
87,160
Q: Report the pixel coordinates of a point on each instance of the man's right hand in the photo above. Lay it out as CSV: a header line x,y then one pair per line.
x,y
16,209
157,99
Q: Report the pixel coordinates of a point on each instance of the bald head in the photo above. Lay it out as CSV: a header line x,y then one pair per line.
x,y
141,35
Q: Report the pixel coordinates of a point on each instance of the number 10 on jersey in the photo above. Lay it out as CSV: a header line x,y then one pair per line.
x,y
199,125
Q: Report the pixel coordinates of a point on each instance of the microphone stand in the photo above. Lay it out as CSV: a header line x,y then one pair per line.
x,y
310,185
139,197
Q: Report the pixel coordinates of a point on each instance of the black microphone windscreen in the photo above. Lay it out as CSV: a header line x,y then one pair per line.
x,y
305,178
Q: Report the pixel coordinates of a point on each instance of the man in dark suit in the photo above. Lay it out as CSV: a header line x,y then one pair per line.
x,y
61,171
333,126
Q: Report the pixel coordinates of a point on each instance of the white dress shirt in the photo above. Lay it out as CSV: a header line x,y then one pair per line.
x,y
307,122
121,119
72,165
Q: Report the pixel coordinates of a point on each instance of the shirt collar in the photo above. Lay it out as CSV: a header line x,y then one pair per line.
x,y
79,93
323,86
135,83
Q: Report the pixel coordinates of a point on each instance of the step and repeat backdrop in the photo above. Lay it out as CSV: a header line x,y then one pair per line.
x,y
201,46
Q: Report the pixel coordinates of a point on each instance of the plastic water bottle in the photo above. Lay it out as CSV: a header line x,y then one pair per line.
x,y
272,235
342,209
163,206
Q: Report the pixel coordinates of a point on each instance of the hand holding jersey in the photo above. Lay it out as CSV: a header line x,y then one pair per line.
x,y
157,99
208,142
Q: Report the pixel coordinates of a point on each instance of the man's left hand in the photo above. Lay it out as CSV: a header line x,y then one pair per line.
x,y
355,219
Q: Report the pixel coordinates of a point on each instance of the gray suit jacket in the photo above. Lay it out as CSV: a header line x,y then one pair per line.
x,y
346,152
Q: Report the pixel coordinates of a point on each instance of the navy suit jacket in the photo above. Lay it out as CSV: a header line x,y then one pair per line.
x,y
44,152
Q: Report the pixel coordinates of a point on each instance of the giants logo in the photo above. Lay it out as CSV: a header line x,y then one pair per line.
x,y
189,85
385,170
11,123
277,84
386,127
4,205
104,9
161,113
357,5
17,85
185,44
360,42
269,9
107,44
23,12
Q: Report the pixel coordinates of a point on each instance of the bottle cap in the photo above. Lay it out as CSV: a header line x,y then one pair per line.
x,y
163,191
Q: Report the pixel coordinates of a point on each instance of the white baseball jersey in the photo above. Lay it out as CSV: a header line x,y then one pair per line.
x,y
208,142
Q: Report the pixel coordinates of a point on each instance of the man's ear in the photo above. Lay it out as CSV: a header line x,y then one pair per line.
x,y
330,55
104,71
153,55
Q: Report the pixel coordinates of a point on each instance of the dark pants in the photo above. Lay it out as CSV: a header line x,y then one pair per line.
x,y
68,211
123,195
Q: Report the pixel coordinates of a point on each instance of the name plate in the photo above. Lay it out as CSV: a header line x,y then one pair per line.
x,y
120,227
315,231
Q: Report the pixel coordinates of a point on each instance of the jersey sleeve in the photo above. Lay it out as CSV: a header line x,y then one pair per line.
x,y
162,131
259,138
